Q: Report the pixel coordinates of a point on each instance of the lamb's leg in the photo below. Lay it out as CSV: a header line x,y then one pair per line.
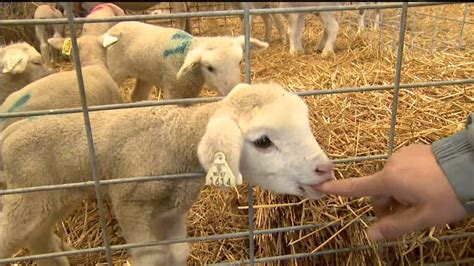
x,y
136,222
170,227
40,31
295,31
267,20
361,21
24,226
331,27
280,25
141,91
378,16
46,242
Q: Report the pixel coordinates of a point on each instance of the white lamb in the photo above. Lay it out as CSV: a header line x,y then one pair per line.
x,y
177,62
44,32
61,90
21,64
103,10
263,131
296,26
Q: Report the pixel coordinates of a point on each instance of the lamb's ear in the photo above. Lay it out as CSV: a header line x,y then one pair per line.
x,y
15,62
255,44
192,59
57,42
222,135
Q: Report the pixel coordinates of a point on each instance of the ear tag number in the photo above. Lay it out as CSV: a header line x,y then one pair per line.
x,y
219,173
67,46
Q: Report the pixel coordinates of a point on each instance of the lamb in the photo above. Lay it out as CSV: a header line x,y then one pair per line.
x,y
257,128
44,32
101,11
60,90
296,24
177,62
267,18
21,64
182,23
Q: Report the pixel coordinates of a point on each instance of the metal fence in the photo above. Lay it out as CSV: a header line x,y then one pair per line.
x,y
246,12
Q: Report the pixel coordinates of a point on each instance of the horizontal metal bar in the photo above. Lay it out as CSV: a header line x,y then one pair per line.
x,y
213,99
12,22
442,17
342,250
227,236
149,178
102,182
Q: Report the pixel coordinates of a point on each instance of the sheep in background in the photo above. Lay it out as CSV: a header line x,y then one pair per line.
x,y
177,62
182,23
103,10
267,18
263,130
61,90
44,32
21,64
296,26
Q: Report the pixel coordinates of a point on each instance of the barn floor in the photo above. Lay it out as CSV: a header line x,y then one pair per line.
x,y
345,125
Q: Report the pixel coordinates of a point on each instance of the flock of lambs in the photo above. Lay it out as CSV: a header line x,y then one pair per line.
x,y
257,127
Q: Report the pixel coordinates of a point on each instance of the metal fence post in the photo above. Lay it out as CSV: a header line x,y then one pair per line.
x,y
90,141
248,80
461,35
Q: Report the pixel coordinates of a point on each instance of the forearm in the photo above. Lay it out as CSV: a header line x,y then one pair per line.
x,y
455,155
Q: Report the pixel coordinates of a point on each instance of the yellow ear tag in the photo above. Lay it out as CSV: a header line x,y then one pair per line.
x,y
109,40
67,46
220,174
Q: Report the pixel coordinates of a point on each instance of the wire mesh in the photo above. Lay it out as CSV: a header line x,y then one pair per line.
x,y
246,12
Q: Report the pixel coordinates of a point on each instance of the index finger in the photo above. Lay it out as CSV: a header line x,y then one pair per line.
x,y
371,185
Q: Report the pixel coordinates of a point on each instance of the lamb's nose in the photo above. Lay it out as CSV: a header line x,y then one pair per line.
x,y
325,170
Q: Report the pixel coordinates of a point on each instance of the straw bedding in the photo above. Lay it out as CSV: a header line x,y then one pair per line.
x,y
346,125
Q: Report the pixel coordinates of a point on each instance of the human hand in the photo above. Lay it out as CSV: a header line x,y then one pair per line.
x,y
410,193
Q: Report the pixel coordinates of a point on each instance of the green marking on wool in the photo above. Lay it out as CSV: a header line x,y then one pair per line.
x,y
19,103
178,44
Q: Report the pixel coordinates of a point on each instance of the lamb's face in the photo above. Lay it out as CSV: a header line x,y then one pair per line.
x,y
23,59
265,133
280,152
220,66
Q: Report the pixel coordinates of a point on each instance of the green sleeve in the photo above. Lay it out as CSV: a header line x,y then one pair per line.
x,y
455,155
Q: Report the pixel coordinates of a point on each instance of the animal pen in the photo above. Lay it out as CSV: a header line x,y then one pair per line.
x,y
410,81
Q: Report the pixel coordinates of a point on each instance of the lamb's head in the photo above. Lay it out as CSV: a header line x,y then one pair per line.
x,y
219,60
91,48
265,133
23,59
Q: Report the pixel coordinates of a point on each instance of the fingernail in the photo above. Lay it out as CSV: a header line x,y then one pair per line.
x,y
375,234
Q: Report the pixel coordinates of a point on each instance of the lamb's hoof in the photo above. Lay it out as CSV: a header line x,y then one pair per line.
x,y
296,51
284,41
327,53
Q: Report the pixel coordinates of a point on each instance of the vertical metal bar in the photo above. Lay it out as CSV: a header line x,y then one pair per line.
x,y
90,141
401,43
247,79
461,35
435,29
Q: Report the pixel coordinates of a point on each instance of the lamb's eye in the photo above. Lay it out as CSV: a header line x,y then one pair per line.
x,y
263,142
36,63
210,68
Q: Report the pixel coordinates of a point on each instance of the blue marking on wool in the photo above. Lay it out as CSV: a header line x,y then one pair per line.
x,y
179,44
19,103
